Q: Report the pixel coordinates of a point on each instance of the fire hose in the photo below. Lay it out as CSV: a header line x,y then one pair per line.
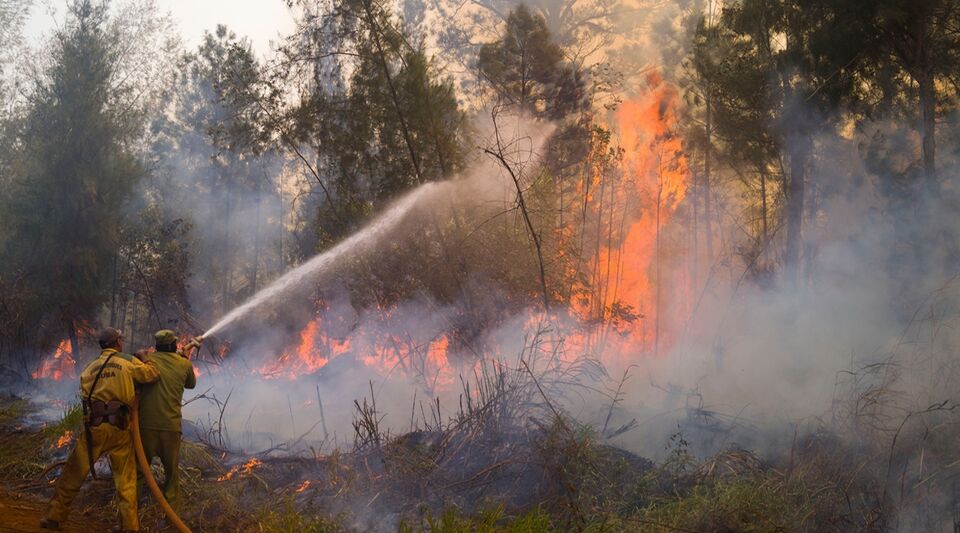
x,y
148,473
142,457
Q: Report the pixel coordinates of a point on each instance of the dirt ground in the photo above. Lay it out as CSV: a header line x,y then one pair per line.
x,y
22,512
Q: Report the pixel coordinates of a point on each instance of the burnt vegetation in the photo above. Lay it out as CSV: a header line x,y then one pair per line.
x,y
736,221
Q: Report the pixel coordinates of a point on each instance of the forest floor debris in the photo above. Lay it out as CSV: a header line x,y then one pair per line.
x,y
486,472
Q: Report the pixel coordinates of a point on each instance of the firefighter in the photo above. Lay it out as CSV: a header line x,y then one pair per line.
x,y
160,414
107,394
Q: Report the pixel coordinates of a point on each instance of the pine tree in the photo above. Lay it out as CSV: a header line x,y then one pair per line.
x,y
77,170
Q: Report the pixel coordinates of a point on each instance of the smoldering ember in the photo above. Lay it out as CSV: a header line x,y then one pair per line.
x,y
574,265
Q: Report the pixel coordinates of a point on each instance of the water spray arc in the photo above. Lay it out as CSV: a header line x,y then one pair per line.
x,y
148,473
325,260
287,282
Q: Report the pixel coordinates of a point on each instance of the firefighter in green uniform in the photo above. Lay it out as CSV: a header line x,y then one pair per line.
x,y
107,392
160,410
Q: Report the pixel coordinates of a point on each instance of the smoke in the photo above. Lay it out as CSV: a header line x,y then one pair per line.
x,y
759,364
392,354
752,366
755,362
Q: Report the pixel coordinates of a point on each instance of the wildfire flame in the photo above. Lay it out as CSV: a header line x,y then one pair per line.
x,y
65,439
58,365
629,271
243,470
636,181
313,353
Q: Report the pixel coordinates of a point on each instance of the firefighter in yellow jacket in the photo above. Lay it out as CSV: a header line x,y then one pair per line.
x,y
107,393
160,413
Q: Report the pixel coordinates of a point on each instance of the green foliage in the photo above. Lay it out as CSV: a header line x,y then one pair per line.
x,y
12,408
489,521
742,505
72,420
22,452
289,518
525,68
765,78
376,110
532,522
74,171
209,213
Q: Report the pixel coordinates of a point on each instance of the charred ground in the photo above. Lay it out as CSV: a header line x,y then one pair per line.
x,y
694,264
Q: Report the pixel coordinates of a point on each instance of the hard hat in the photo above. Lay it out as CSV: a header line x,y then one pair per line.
x,y
109,336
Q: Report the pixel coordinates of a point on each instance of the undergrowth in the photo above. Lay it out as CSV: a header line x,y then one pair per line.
x,y
71,420
287,517
486,521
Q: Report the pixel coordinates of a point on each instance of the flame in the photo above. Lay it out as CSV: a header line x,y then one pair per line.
x,y
243,470
630,293
303,486
630,272
313,352
65,439
58,365
427,360
251,464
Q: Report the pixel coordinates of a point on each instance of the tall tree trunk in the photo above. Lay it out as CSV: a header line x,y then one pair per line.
x,y
656,303
928,129
799,149
797,143
811,206
74,338
694,238
135,311
706,180
282,262
113,290
226,287
763,203
121,323
255,264
596,289
381,54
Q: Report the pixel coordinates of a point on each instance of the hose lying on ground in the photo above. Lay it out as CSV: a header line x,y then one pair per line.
x,y
148,474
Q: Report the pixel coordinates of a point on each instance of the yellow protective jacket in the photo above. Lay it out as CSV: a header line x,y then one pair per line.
x,y
116,383
118,378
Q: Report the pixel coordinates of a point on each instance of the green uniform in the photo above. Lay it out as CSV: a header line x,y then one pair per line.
x,y
160,418
116,383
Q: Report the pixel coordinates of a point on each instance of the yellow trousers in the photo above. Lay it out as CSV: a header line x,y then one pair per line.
x,y
115,443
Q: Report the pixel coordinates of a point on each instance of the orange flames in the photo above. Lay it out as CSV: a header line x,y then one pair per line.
x,y
313,353
58,365
631,269
65,439
243,470
655,157
631,293
631,301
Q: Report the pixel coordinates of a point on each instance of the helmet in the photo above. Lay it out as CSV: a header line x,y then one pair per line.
x,y
165,336
109,337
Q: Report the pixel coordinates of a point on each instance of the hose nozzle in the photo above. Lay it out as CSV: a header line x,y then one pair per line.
x,y
190,346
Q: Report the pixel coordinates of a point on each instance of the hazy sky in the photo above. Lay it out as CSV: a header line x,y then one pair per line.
x,y
260,20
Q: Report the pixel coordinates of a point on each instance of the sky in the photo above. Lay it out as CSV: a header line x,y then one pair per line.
x,y
259,20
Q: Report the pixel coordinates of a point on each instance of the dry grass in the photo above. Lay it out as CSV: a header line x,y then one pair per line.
x,y
508,457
